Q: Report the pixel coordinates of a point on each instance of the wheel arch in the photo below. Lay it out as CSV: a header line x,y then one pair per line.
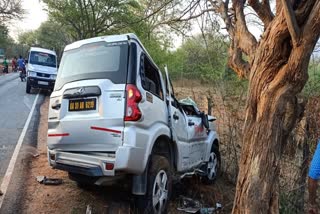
x,y
164,146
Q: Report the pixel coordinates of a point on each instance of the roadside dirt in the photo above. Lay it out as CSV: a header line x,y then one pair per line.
x,y
68,198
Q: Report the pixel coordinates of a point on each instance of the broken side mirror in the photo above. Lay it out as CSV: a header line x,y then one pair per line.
x,y
212,119
205,121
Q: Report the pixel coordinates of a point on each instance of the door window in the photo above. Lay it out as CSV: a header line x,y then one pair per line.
x,y
150,78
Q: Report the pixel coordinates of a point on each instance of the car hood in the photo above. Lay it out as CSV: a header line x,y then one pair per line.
x,y
42,69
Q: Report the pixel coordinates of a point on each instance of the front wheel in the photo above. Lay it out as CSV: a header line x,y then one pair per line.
x,y
212,168
159,187
28,87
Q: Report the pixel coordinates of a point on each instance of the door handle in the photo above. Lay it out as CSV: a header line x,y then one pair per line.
x,y
56,106
190,123
175,116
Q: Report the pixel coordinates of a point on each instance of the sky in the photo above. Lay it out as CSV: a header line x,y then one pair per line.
x,y
32,19
35,15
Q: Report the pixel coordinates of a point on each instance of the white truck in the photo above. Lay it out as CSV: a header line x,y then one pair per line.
x,y
41,69
113,116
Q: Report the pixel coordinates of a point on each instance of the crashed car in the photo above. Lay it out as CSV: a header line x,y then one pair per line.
x,y
113,115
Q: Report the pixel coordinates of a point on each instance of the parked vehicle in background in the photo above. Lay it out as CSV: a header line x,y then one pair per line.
x,y
113,116
41,69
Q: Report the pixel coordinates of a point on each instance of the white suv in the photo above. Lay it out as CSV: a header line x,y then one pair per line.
x,y
111,116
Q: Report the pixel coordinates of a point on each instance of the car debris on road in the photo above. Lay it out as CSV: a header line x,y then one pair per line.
x,y
190,205
49,181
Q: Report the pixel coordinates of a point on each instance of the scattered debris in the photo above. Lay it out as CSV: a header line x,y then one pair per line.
x,y
189,205
36,155
89,209
40,179
1,193
49,181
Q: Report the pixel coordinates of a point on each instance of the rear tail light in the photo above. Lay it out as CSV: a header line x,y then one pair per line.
x,y
109,166
133,97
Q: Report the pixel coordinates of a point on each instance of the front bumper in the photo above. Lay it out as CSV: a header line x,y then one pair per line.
x,y
44,83
125,160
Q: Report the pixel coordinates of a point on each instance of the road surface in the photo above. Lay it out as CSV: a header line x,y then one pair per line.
x,y
15,106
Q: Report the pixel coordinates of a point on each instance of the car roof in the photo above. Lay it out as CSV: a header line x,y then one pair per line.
x,y
43,50
109,38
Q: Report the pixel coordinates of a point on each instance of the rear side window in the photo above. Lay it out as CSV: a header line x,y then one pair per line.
x,y
150,77
100,60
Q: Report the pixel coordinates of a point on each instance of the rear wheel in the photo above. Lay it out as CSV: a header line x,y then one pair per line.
x,y
159,187
212,168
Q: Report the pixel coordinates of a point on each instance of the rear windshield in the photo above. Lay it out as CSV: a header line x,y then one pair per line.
x,y
100,60
45,59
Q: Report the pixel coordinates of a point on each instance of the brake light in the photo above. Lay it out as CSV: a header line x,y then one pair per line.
x,y
133,97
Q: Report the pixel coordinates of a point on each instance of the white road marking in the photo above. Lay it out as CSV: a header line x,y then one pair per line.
x,y
7,176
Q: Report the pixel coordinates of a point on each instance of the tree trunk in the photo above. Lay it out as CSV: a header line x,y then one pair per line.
x,y
278,73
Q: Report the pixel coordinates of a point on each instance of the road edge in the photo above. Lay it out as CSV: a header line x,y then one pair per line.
x,y
7,177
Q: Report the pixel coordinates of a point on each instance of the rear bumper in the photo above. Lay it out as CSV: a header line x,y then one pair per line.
x,y
125,160
34,83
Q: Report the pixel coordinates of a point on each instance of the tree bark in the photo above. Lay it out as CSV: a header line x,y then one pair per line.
x,y
278,73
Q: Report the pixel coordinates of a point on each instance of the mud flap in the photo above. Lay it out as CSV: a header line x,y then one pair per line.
x,y
139,182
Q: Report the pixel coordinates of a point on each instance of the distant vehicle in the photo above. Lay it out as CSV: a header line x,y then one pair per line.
x,y
113,116
41,69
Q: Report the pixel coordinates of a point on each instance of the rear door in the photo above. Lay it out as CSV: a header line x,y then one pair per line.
x,y
178,125
88,104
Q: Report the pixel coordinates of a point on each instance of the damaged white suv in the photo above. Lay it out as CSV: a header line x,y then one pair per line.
x,y
112,115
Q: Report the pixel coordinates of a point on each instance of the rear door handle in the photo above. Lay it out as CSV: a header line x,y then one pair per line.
x,y
56,106
175,116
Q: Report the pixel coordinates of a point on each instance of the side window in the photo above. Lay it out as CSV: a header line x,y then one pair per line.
x,y
150,77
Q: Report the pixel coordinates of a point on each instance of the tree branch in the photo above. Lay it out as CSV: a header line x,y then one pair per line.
x,y
235,61
247,42
291,22
311,28
263,10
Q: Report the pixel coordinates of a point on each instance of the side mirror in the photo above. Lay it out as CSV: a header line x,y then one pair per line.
x,y
212,119
205,121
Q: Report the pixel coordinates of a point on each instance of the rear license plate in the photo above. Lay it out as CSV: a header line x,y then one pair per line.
x,y
43,83
82,104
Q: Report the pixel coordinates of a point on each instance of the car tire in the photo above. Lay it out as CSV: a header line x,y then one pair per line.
x,y
159,188
28,88
213,166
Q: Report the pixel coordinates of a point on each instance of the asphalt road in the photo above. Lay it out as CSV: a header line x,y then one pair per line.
x,y
15,106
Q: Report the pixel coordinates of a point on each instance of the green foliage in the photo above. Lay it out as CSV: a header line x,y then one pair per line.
x,y
289,202
202,57
3,35
312,88
50,35
5,40
89,18
28,38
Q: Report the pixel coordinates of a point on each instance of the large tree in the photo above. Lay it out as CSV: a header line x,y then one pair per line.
x,y
276,66
277,69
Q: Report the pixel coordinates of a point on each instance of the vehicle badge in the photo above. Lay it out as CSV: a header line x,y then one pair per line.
x,y
81,90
